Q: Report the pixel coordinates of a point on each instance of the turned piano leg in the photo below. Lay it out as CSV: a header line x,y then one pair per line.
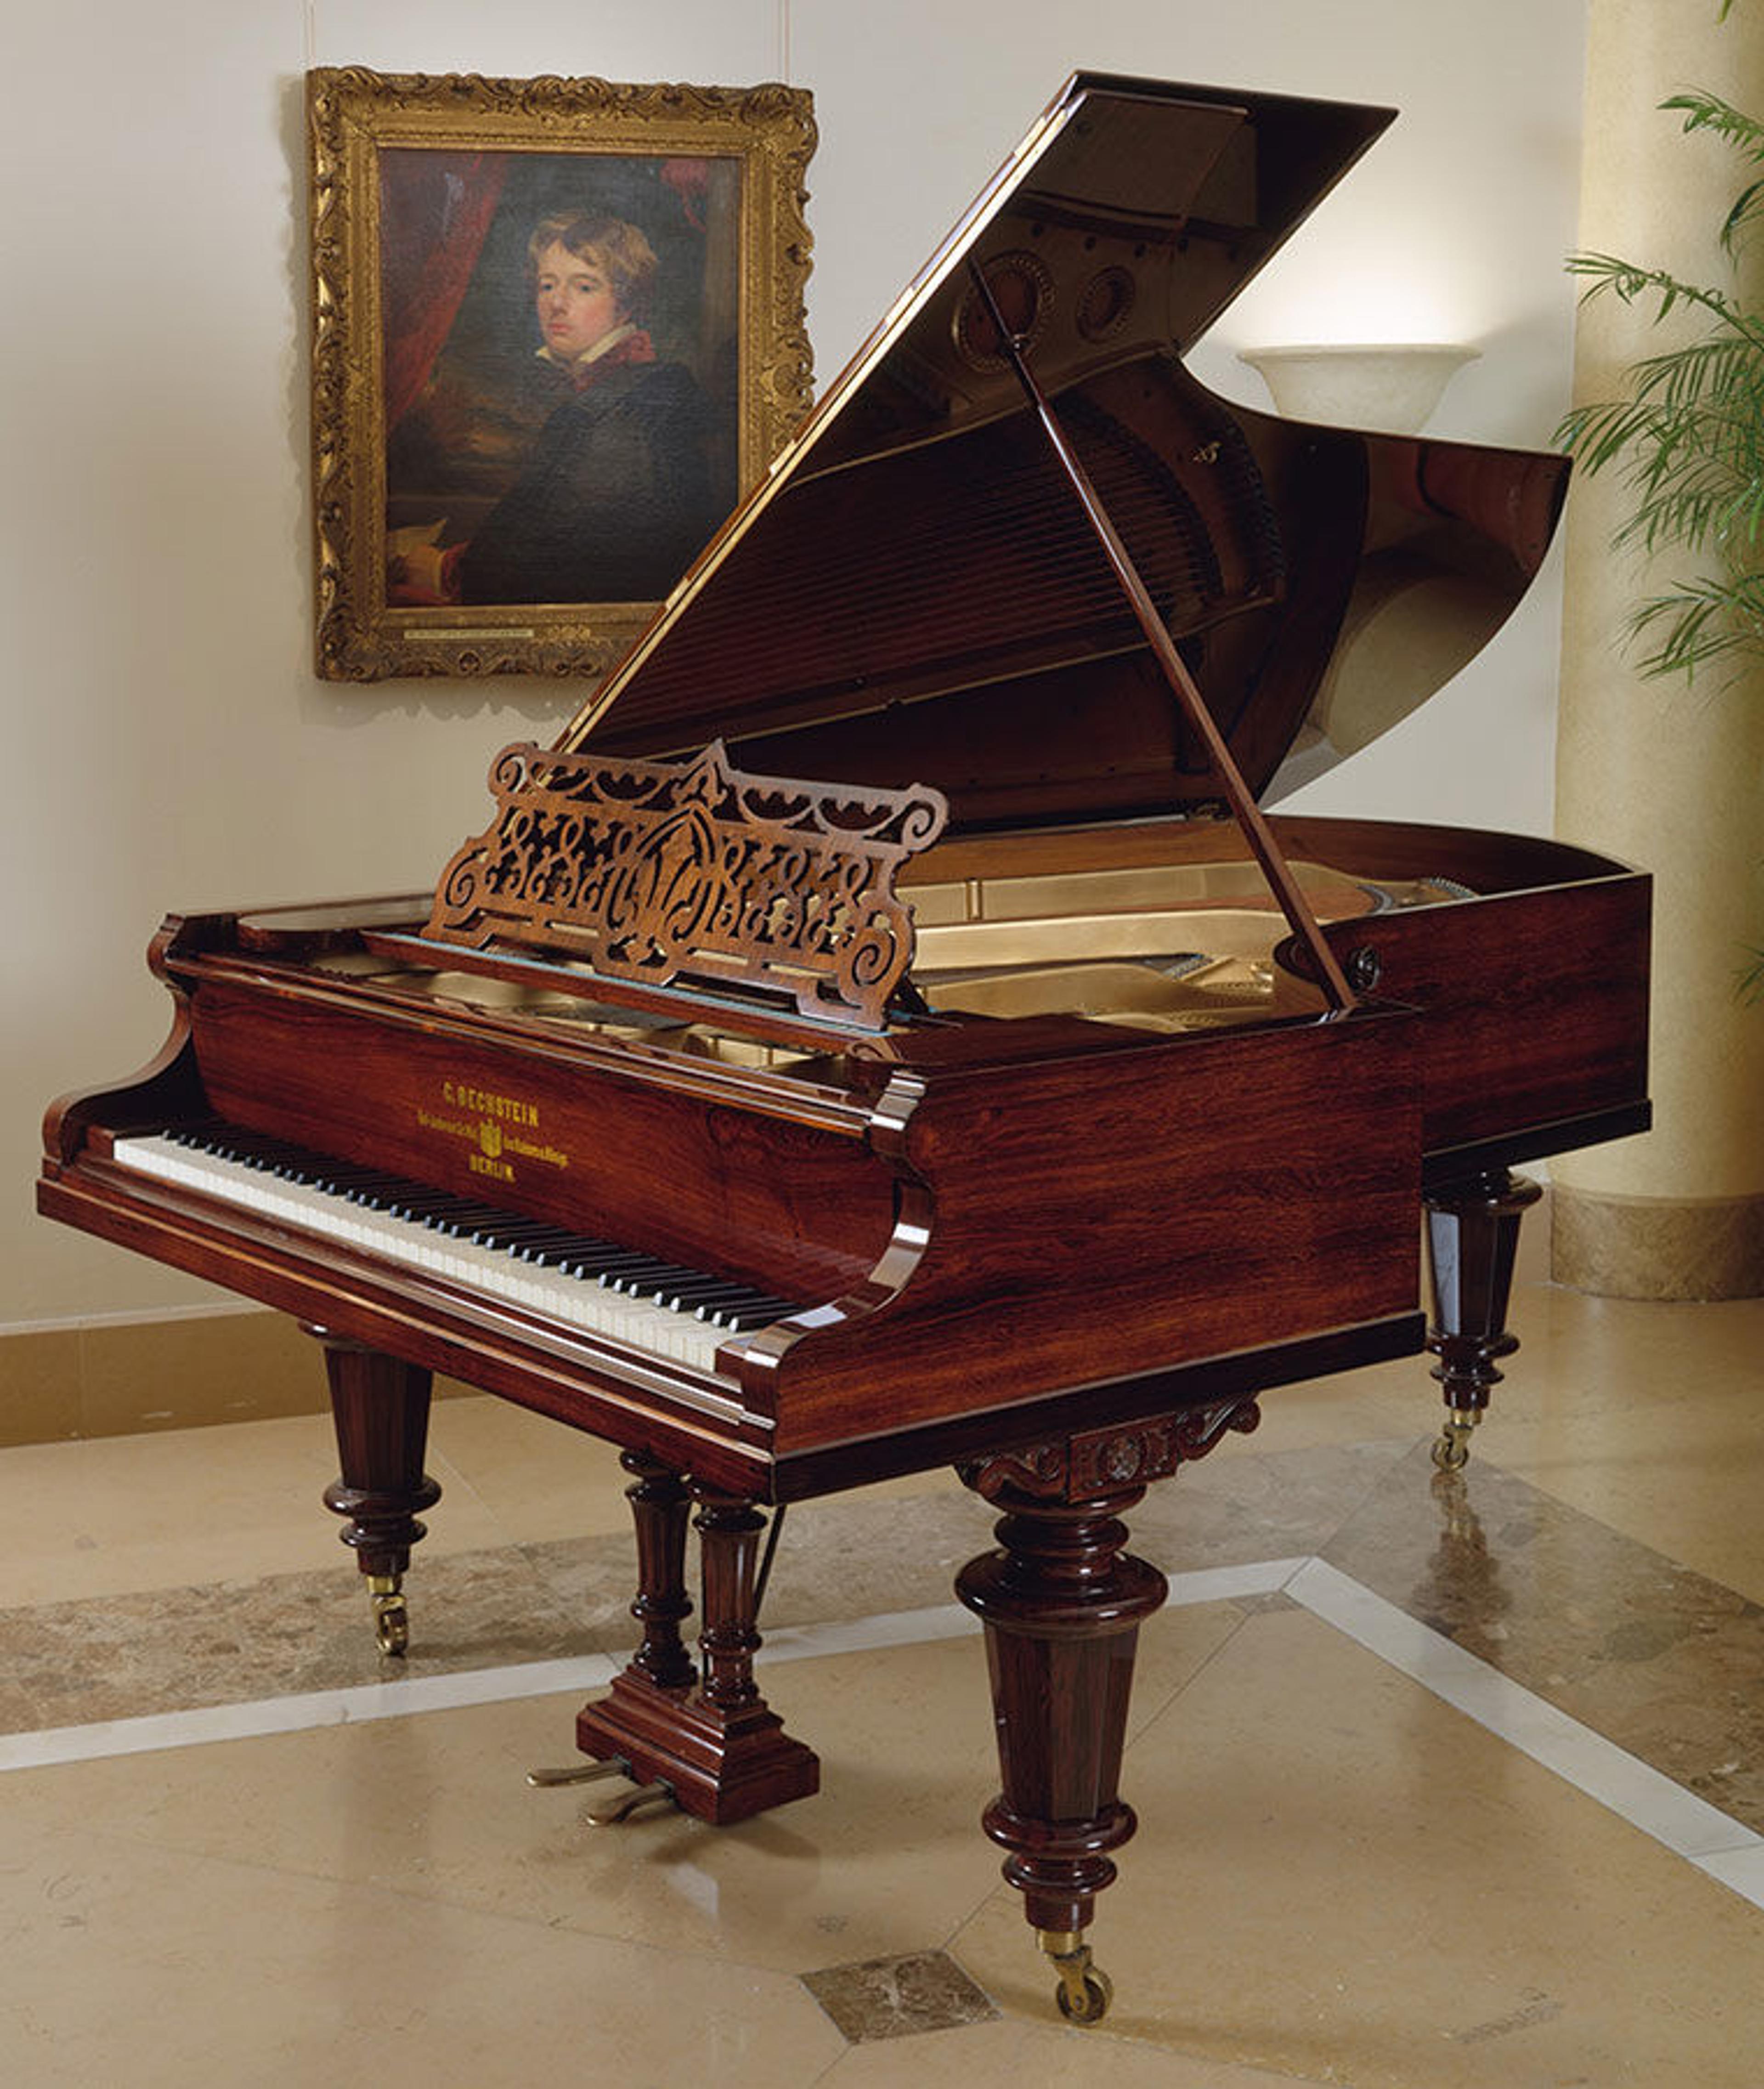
x,y
660,1506
643,1706
1473,1237
709,1738
380,1407
1061,1602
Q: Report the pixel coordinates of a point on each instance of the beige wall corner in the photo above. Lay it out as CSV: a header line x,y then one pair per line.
x,y
1668,776
122,1377
117,1377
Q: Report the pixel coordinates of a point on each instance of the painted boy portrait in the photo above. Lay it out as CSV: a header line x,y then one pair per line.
x,y
560,380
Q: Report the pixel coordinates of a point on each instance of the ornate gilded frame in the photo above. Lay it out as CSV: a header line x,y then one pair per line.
x,y
354,117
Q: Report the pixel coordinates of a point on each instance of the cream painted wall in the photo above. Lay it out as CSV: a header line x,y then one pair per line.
x,y
168,743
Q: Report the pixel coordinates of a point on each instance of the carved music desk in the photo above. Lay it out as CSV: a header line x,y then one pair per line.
x,y
886,1030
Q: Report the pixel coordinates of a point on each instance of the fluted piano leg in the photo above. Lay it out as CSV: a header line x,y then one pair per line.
x,y
380,1407
1473,1238
713,1741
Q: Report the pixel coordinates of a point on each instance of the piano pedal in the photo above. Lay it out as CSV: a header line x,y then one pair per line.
x,y
392,1616
583,1773
617,1806
627,1805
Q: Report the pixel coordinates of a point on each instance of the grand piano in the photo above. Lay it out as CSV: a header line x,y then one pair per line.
x,y
887,1030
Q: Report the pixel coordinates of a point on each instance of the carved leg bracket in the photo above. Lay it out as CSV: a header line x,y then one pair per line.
x,y
712,1739
380,1408
1473,1238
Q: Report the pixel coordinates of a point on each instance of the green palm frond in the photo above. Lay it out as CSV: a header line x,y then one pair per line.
x,y
1704,621
1745,133
1687,435
1709,111
1629,281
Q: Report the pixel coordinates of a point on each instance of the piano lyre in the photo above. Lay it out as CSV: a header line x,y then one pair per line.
x,y
888,1030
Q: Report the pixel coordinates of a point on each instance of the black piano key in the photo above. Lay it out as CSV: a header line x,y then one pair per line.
x,y
758,1312
510,1227
611,1266
565,1240
547,1252
458,1223
702,1291
651,1283
571,1256
412,1206
634,1275
715,1300
703,1284
377,1193
506,1232
658,1269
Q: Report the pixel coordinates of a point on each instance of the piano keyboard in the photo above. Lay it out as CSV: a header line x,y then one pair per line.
x,y
659,1307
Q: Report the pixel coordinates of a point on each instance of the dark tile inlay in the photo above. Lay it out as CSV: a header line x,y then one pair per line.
x,y
893,1997
234,1642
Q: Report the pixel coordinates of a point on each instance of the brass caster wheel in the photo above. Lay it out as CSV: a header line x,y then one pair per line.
x,y
392,1618
1451,1446
1084,1992
1087,2000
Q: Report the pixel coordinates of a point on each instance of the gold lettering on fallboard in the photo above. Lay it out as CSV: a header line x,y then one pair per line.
x,y
493,1125
484,1102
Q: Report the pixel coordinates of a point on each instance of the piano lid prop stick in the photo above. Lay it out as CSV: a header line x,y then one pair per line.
x,y
1293,904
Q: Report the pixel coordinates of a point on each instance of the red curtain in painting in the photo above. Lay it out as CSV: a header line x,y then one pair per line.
x,y
435,208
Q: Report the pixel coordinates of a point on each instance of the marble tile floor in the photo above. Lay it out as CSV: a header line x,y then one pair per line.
x,y
1439,1783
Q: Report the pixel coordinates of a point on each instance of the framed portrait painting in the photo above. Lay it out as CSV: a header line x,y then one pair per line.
x,y
557,331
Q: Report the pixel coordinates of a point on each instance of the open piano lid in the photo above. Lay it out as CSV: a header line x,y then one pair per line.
x,y
914,594
1018,569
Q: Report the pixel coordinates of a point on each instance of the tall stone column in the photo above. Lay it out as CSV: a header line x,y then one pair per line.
x,y
1663,774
